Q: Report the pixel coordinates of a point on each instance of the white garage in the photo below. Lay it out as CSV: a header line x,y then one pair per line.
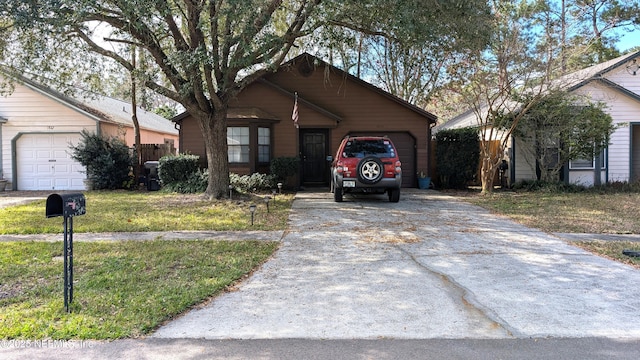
x,y
43,162
38,125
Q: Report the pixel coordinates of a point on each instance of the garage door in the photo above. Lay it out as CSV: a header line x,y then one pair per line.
x,y
406,146
44,162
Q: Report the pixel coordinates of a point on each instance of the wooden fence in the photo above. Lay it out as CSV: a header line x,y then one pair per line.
x,y
153,152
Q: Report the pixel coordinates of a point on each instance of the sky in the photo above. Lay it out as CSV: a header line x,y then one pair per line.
x,y
629,40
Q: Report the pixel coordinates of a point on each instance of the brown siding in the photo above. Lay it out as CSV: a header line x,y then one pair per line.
x,y
359,107
191,140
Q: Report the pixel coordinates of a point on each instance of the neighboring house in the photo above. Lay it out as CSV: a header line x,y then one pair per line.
x,y
331,105
38,125
616,83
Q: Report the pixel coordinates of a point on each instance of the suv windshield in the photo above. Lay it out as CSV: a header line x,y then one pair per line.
x,y
361,148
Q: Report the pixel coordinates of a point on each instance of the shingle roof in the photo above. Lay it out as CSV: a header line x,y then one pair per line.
x,y
569,82
119,111
103,108
578,78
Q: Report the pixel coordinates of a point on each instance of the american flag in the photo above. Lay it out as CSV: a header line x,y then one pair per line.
x,y
294,116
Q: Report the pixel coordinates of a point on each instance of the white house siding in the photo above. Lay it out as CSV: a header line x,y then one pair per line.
x,y
585,177
624,110
524,162
29,112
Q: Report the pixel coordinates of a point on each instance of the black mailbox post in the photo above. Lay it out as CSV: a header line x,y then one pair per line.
x,y
67,206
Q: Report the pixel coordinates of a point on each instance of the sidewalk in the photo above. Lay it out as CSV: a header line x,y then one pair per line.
x,y
153,235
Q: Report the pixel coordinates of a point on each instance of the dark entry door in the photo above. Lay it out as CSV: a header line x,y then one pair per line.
x,y
315,168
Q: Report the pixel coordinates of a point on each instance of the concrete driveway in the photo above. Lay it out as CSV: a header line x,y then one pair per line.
x,y
428,267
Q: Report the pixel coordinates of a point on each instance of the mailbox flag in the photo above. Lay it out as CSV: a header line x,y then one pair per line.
x,y
294,116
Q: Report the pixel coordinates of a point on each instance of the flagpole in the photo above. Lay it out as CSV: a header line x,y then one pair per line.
x,y
294,115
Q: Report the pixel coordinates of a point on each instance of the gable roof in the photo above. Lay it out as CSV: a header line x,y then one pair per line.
x,y
570,82
312,59
315,60
103,108
580,78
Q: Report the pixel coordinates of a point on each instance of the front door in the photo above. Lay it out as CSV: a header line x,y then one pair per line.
x,y
315,168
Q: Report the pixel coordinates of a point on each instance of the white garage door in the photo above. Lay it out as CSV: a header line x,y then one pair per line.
x,y
44,162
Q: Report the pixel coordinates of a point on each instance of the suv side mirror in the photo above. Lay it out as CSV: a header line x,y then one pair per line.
x,y
329,158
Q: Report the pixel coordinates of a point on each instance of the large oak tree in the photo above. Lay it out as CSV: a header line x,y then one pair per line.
x,y
204,52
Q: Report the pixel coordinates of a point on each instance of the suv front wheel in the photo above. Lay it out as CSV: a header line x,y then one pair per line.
x,y
337,191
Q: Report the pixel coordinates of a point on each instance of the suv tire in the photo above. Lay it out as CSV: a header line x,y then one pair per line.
x,y
337,194
394,195
370,170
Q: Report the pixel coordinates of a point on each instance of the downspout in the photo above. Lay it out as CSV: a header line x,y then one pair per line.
x,y
2,121
430,147
178,126
512,171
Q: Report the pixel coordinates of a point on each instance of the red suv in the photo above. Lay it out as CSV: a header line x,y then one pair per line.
x,y
368,164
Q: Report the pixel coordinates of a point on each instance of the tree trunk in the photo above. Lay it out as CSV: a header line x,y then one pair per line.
x,y
488,175
489,167
214,133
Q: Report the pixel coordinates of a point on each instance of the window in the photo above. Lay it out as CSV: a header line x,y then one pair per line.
x,y
360,149
264,145
587,163
238,144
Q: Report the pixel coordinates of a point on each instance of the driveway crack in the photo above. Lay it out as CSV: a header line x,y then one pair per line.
x,y
484,316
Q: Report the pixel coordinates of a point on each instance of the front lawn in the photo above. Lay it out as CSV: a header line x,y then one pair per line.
x,y
128,211
582,212
122,289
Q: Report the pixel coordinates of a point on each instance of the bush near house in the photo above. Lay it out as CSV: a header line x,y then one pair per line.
x,y
107,160
181,174
457,157
253,182
177,168
283,167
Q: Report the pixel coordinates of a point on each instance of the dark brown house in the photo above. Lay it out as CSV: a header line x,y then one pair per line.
x,y
331,105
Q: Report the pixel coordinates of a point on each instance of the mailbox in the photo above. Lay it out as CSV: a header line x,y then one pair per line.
x,y
66,205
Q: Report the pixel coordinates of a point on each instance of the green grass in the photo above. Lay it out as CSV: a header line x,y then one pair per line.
x,y
612,250
121,289
572,212
125,211
584,212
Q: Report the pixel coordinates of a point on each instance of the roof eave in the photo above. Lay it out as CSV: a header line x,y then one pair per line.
x,y
431,117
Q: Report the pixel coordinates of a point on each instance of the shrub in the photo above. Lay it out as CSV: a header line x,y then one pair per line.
x,y
283,167
107,161
195,183
620,187
249,183
548,187
457,157
175,169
